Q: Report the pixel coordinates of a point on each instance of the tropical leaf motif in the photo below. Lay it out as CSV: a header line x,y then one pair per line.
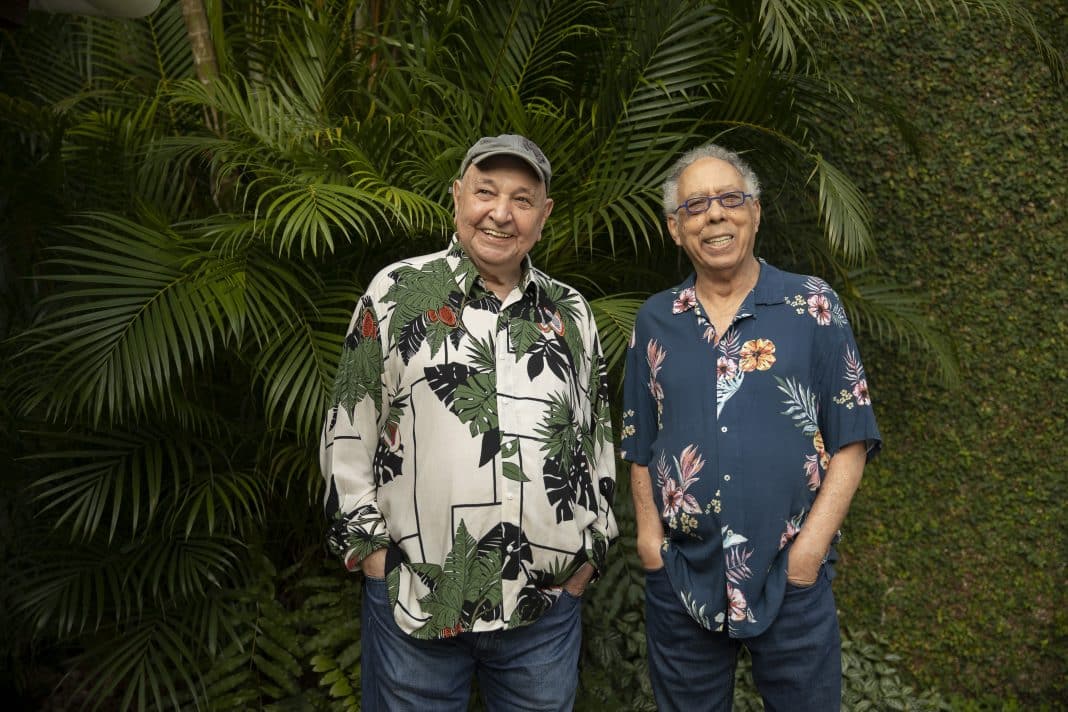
x,y
445,378
523,333
531,603
568,483
472,396
476,402
359,373
549,352
803,405
417,294
509,541
411,337
387,463
464,588
726,387
738,564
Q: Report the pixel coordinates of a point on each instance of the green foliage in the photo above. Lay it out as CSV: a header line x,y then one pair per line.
x,y
955,545
181,258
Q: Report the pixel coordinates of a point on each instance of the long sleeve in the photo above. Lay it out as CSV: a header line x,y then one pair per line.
x,y
349,440
603,530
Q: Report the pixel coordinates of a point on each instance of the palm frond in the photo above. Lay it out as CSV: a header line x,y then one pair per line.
x,y
131,322
894,314
615,317
844,212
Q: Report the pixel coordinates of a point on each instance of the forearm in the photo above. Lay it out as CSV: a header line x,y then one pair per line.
x,y
828,511
647,517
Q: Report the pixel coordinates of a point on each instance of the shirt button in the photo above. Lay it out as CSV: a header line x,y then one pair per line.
x,y
511,496
726,478
723,429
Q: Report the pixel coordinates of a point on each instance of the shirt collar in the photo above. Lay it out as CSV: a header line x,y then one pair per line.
x,y
768,290
466,273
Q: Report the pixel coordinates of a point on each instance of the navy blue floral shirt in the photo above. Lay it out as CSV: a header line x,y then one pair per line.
x,y
737,434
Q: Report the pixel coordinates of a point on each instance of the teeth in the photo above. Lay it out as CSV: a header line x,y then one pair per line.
x,y
718,241
494,233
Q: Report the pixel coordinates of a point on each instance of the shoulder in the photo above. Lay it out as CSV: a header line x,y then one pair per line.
x,y
794,283
659,306
391,273
560,291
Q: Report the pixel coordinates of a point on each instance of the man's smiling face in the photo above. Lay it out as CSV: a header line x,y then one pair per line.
x,y
500,210
719,241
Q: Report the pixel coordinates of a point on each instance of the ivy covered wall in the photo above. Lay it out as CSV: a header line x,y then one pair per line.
x,y
955,547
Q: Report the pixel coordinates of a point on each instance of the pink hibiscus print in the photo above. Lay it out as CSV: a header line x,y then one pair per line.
x,y
686,300
726,367
820,308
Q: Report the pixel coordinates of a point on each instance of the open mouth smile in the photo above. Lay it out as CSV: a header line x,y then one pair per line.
x,y
718,240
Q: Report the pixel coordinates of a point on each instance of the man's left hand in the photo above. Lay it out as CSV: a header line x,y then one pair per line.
x,y
803,565
576,585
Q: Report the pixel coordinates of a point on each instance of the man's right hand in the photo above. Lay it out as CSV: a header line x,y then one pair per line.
x,y
649,552
375,564
647,517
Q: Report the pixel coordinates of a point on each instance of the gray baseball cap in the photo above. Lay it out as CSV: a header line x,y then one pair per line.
x,y
509,145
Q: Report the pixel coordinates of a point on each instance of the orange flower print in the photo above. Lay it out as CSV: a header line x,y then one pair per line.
x,y
368,327
447,316
452,632
817,442
431,315
757,355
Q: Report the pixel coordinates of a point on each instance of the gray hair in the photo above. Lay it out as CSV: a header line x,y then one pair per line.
x,y
709,150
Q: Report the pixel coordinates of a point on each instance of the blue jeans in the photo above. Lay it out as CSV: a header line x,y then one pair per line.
x,y
530,668
797,661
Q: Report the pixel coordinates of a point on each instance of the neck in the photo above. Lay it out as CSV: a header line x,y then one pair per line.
x,y
501,285
718,289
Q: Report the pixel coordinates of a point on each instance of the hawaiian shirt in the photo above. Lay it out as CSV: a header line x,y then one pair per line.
x,y
738,432
471,438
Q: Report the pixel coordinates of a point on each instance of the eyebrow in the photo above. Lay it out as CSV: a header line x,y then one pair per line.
x,y
721,191
486,180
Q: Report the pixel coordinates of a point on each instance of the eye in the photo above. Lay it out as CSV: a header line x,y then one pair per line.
x,y
696,206
525,202
732,200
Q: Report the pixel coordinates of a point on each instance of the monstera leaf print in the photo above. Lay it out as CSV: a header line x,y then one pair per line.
x,y
508,540
387,463
462,591
568,447
472,397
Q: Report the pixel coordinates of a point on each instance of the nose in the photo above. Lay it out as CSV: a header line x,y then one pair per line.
x,y
716,211
501,210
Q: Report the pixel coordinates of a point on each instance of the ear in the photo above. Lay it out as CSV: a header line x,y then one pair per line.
x,y
455,198
756,215
673,228
546,211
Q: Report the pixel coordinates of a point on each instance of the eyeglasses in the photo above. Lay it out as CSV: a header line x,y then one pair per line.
x,y
701,204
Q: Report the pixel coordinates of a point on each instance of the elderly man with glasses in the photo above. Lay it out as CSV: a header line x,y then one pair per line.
x,y
747,422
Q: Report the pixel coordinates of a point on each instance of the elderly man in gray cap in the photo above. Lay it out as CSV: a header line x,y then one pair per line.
x,y
468,457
